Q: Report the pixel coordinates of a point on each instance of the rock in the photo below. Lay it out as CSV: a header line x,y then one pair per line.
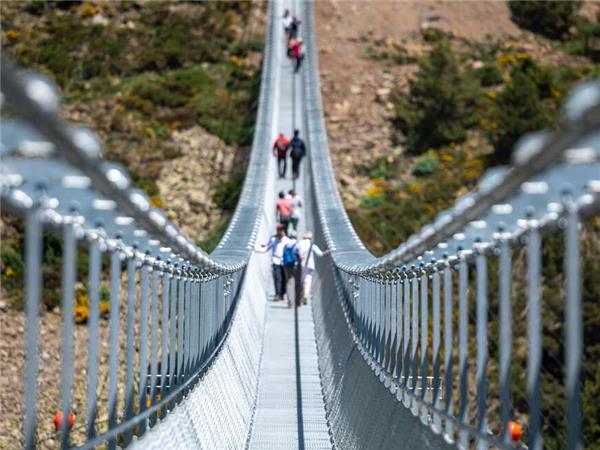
x,y
477,65
198,198
99,19
355,89
383,94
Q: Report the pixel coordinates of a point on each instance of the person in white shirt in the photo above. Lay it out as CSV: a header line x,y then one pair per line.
x,y
296,202
276,245
307,250
287,22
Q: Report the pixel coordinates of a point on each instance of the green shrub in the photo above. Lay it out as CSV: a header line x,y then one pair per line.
x,y
372,202
489,75
435,35
228,192
518,110
552,19
441,103
426,164
381,170
587,42
214,237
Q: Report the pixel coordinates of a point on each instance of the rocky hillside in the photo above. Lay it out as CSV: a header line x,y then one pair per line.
x,y
165,84
369,55
171,89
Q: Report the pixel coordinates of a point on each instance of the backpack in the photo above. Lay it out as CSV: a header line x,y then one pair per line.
x,y
298,150
290,256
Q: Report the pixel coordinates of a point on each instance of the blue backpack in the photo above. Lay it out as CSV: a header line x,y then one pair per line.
x,y
290,256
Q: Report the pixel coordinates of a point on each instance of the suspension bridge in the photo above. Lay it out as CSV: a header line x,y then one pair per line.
x,y
393,352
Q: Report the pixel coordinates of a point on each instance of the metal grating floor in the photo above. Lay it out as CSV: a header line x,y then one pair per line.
x,y
290,413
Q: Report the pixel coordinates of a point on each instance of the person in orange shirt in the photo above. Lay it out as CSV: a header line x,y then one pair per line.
x,y
284,209
280,148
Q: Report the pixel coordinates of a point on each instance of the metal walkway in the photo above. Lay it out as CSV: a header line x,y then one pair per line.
x,y
290,411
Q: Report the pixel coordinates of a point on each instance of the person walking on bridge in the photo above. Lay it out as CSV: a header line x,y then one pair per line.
x,y
294,26
280,148
293,271
284,210
296,202
297,152
307,250
276,246
287,23
297,52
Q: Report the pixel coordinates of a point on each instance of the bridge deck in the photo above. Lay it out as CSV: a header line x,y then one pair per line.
x,y
290,412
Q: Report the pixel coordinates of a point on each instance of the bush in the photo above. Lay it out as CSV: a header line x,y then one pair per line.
x,y
426,164
440,106
228,192
588,37
489,75
518,110
381,170
552,19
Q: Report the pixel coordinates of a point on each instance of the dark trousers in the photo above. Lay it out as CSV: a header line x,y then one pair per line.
x,y
285,221
294,285
294,222
279,280
296,167
281,165
298,63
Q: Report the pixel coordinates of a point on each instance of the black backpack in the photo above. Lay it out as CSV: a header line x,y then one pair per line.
x,y
298,149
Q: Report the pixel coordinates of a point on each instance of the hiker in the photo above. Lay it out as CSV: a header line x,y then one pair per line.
x,y
307,250
276,245
287,22
298,151
297,53
284,209
290,48
280,148
293,271
294,25
296,202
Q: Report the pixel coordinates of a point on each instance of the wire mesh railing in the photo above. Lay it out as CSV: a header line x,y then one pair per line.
x,y
157,307
484,308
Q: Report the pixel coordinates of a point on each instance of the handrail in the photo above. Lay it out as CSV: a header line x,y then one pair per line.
x,y
170,305
35,101
423,311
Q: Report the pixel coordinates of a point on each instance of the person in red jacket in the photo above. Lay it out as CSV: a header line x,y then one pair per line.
x,y
297,53
280,148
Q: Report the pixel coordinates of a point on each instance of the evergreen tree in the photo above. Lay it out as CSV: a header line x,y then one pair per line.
x,y
552,19
519,110
440,106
